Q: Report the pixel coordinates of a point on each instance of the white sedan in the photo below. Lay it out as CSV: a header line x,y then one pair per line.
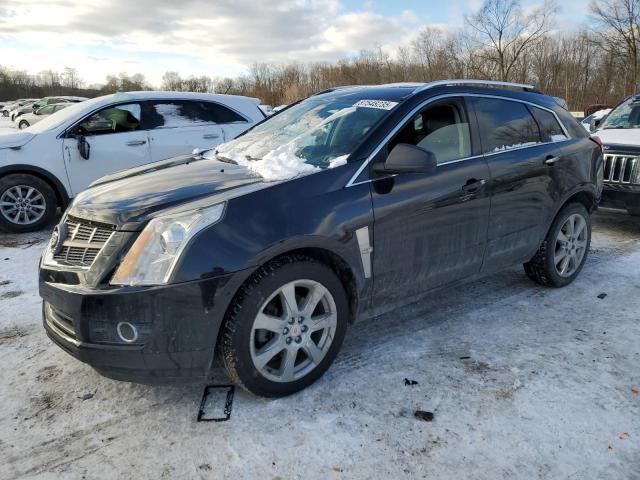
x,y
27,119
45,165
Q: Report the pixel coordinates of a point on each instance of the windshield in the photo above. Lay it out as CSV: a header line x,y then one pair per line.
x,y
625,115
312,135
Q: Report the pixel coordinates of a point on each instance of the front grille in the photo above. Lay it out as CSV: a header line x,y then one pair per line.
x,y
78,256
60,321
621,169
83,243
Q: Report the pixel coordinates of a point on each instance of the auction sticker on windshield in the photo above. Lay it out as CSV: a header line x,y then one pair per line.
x,y
382,104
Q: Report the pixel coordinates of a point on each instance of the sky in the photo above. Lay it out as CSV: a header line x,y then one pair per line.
x,y
215,37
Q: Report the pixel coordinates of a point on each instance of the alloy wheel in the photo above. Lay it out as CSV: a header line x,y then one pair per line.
x,y
22,204
571,245
293,331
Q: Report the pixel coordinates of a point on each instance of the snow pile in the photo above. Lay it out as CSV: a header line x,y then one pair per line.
x,y
559,138
279,164
338,161
601,114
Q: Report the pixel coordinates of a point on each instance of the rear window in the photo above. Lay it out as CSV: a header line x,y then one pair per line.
x,y
505,125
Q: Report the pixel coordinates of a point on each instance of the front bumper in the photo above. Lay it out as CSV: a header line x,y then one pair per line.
x,y
626,197
178,327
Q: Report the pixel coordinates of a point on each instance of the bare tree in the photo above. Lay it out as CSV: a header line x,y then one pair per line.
x,y
70,78
502,32
620,31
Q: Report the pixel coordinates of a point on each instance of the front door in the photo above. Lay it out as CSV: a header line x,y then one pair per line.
x,y
431,229
116,142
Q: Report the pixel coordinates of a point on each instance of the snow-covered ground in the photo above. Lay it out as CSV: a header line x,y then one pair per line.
x,y
6,125
525,382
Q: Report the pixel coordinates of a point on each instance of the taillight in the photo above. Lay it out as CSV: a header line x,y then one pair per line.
x,y
596,139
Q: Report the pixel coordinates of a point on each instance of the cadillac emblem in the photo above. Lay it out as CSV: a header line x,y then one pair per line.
x,y
57,238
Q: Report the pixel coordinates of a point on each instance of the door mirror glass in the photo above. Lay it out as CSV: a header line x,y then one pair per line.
x,y
83,147
406,158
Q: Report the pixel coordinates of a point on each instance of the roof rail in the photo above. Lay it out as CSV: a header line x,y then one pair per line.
x,y
490,83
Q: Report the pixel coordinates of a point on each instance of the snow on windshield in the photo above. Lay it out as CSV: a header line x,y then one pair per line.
x,y
306,138
625,115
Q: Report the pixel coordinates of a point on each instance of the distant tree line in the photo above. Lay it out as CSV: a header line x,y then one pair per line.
x,y
502,40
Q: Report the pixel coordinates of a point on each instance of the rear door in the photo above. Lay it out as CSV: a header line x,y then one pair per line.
x,y
520,157
116,142
431,229
177,127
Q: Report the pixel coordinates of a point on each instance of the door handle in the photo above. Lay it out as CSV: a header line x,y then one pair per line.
x,y
473,185
208,136
551,160
135,143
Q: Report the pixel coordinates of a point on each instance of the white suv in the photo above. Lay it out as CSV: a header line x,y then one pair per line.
x,y
44,166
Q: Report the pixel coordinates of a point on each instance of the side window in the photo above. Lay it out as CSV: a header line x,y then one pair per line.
x,y
505,124
183,113
550,129
442,128
46,110
221,114
117,119
175,113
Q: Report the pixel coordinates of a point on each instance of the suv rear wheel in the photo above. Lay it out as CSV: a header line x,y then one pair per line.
x,y
285,328
562,254
27,203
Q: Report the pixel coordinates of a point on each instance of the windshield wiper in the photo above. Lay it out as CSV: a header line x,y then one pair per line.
x,y
225,159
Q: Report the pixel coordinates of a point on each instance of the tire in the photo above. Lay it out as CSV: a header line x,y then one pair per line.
x,y
5,113
37,213
546,266
23,124
242,344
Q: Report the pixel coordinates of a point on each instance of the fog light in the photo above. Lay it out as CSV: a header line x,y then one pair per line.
x,y
127,332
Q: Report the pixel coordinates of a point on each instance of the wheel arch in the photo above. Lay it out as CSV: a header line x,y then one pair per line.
x,y
328,257
584,196
62,196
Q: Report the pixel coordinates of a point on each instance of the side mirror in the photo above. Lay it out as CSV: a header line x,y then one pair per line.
x,y
595,124
83,147
406,158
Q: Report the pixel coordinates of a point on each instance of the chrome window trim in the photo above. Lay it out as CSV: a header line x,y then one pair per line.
x,y
422,105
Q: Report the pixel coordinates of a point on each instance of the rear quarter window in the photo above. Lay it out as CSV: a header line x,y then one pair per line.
x,y
550,129
571,124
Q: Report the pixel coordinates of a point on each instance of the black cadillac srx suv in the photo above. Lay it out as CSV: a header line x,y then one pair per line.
x,y
355,200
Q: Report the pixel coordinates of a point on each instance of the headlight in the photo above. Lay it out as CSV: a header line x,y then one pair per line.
x,y
154,254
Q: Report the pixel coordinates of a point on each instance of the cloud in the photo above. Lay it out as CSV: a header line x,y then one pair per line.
x,y
220,36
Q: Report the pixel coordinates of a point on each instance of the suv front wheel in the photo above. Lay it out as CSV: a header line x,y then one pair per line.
x,y
285,327
564,251
27,203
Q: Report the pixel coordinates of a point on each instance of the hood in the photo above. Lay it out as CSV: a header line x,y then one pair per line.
x,y
132,196
621,137
15,140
